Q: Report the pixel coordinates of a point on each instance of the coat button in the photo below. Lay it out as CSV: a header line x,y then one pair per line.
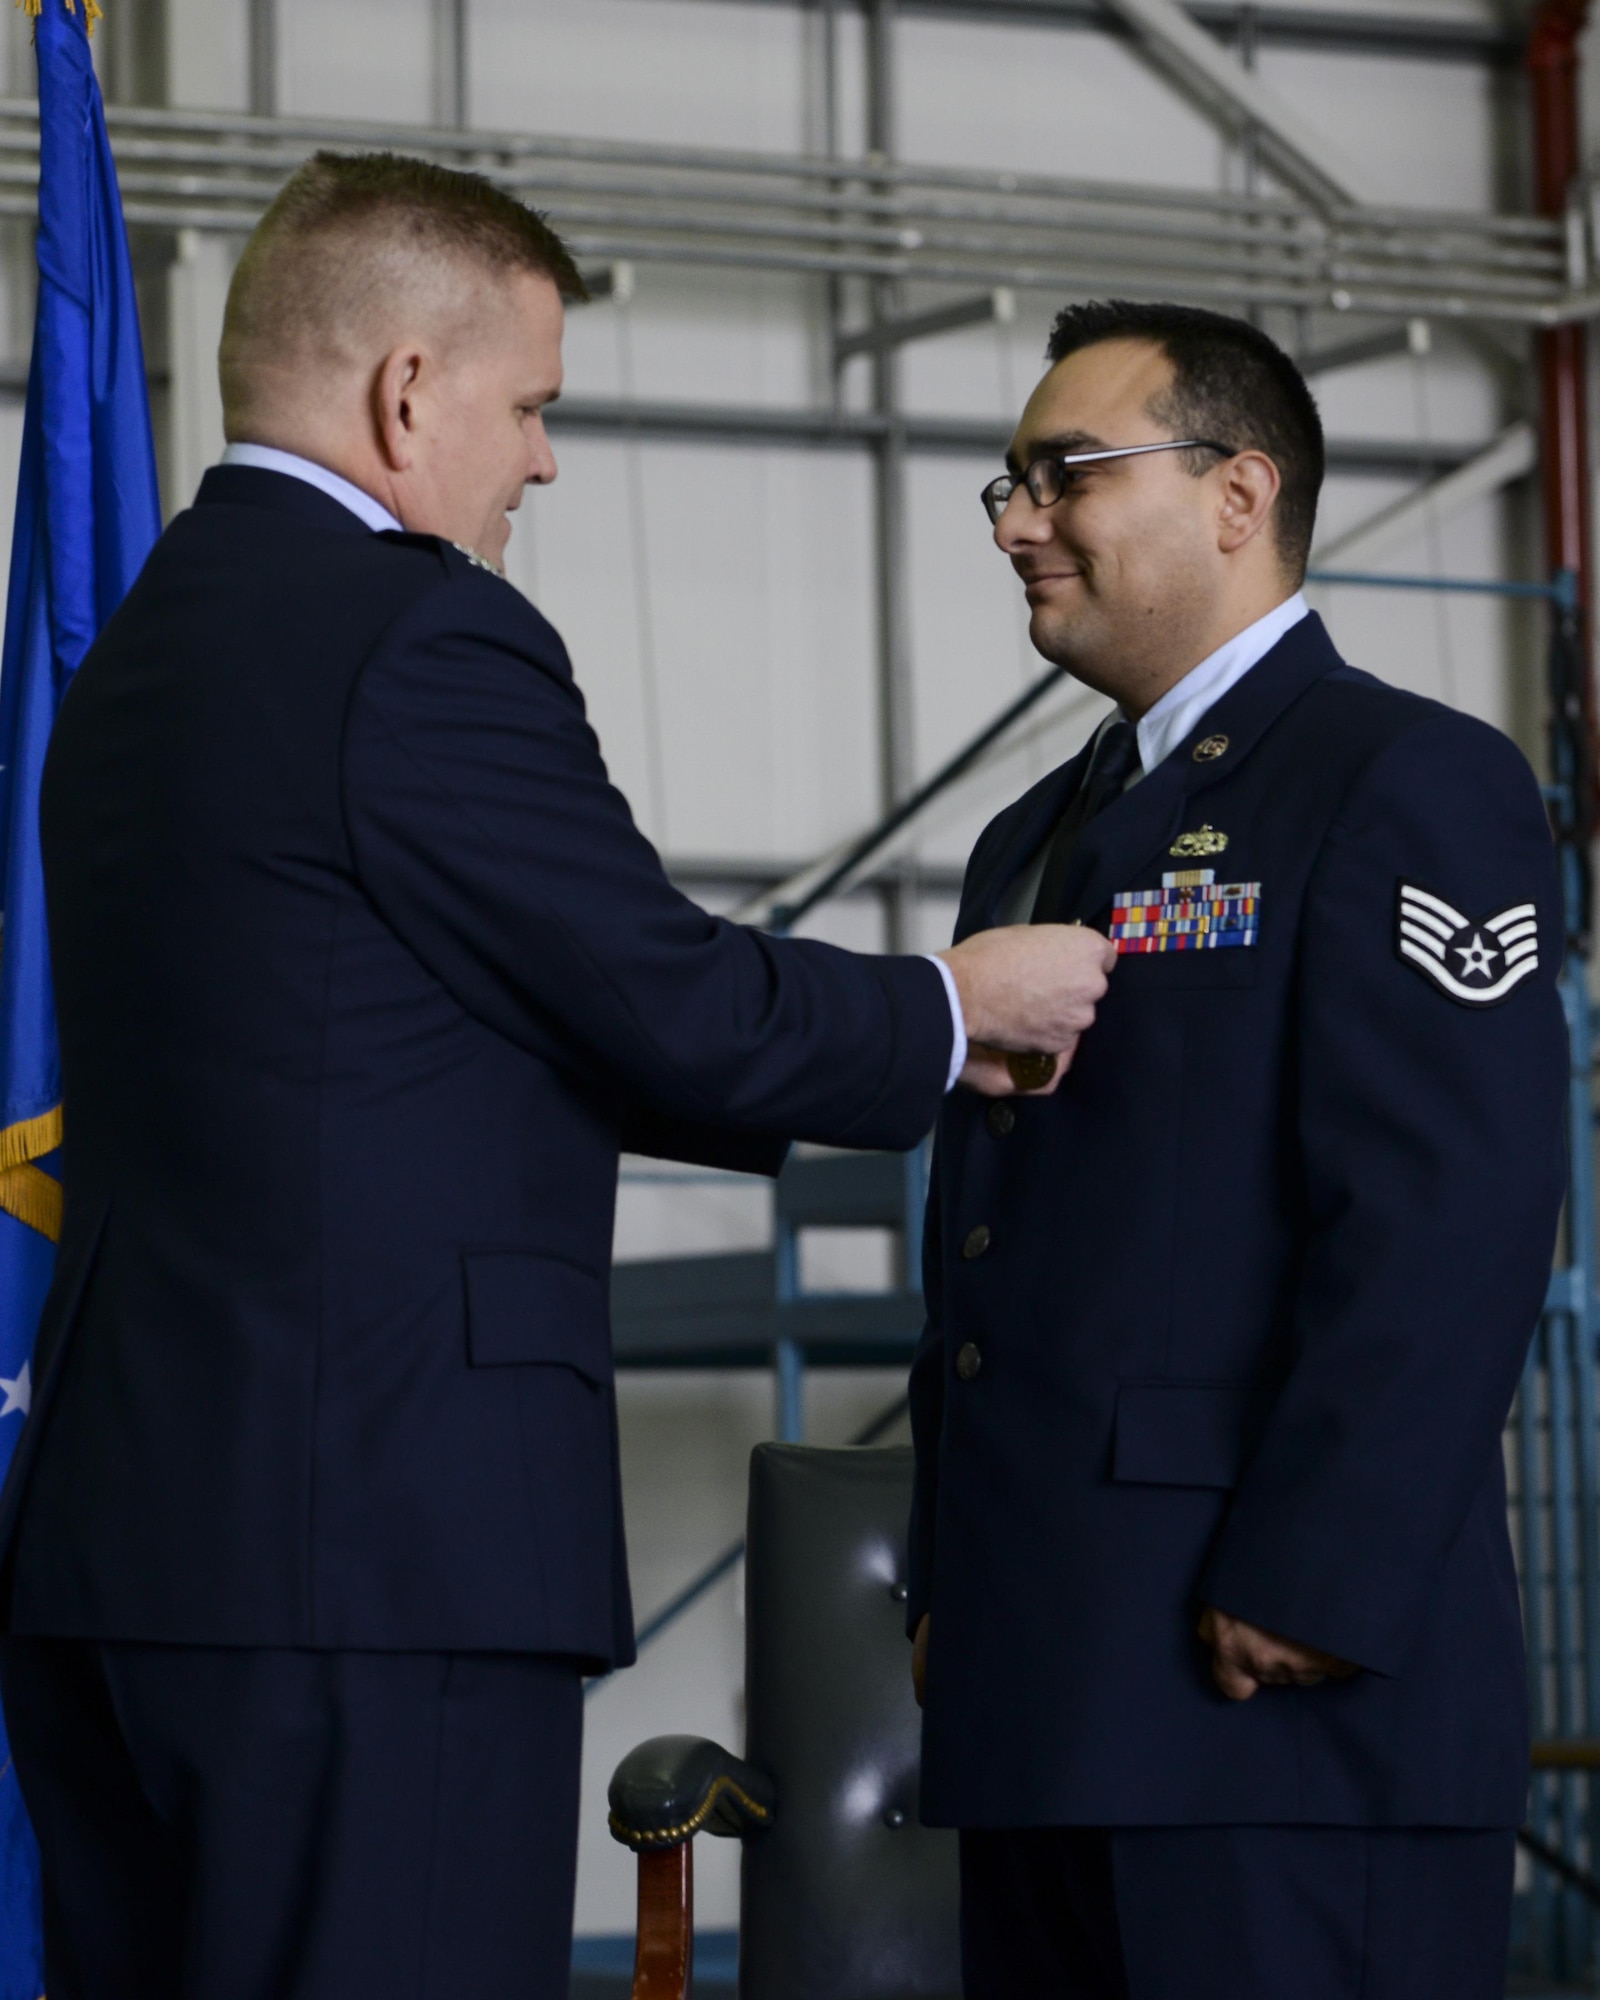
x,y
977,1240
969,1361
1002,1121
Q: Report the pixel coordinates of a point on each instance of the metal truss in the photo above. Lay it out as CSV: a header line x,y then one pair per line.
x,y
1337,30
758,424
886,222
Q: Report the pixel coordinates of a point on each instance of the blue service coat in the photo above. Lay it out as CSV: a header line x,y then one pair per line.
x,y
1235,1318
364,976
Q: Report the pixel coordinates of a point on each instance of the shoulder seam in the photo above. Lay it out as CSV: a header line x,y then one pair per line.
x,y
1435,717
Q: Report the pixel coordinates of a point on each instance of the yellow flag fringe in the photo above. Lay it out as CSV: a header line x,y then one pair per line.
x,y
33,1198
92,10
26,1191
25,1141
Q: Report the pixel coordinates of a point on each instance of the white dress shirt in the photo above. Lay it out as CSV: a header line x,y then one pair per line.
x,y
1175,716
1163,727
267,458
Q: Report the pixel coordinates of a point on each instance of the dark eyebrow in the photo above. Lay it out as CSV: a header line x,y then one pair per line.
x,y
1063,442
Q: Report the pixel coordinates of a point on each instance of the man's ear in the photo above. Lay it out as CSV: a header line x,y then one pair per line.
x,y
393,406
1250,485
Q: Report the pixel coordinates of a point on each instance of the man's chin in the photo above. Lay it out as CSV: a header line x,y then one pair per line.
x,y
1055,638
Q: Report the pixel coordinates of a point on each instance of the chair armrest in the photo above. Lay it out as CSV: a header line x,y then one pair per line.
x,y
673,1787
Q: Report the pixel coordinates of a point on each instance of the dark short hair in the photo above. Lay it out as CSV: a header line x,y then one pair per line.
x,y
1230,382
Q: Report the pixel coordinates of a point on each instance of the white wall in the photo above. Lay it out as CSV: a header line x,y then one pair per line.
x,y
717,600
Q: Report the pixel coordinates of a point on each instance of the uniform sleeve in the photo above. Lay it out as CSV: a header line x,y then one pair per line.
x,y
484,828
1430,1078
643,1131
927,1414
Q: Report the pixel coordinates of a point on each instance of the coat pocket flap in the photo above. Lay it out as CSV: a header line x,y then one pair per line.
x,y
526,1308
1187,1433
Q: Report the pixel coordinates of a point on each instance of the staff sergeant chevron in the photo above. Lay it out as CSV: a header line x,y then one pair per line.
x,y
1478,961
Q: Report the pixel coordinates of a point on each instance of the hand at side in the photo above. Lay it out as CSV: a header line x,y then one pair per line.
x,y
1245,1659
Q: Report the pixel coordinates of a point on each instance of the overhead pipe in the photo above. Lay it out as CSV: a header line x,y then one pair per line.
x,y
1553,70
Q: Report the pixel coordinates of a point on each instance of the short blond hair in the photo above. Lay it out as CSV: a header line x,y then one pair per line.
x,y
331,251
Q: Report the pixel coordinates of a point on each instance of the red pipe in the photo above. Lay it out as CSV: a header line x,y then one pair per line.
x,y
1563,359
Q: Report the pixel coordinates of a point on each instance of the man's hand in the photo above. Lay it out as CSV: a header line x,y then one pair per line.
x,y
1244,1658
1027,987
919,1660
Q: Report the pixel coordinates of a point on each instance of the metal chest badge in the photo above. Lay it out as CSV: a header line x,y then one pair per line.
x,y
1191,911
1205,840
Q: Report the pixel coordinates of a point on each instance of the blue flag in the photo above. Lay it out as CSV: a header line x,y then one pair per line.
x,y
87,515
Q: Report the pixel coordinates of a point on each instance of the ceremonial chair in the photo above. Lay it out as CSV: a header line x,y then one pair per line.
x,y
844,1895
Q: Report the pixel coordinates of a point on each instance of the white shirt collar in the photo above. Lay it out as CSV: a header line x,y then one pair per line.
x,y
1163,727
267,458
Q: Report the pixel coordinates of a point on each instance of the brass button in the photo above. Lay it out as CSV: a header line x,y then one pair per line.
x,y
968,1362
1002,1121
977,1241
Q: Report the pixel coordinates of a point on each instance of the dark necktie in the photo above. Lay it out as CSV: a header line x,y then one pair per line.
x,y
1116,758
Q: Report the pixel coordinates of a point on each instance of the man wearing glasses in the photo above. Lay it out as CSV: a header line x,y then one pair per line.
x,y
1215,1611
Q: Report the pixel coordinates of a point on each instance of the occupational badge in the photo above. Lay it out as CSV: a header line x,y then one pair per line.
x,y
1476,960
1206,840
1191,911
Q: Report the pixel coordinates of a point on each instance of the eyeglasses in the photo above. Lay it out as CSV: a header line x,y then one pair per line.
x,y
1046,478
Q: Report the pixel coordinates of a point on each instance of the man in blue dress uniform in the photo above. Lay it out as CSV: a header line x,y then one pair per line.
x,y
1216,1615
364,977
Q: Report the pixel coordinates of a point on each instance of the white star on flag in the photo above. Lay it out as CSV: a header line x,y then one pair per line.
x,y
18,1393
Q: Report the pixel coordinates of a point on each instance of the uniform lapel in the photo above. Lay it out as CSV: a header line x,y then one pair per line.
x,y
1014,840
1143,823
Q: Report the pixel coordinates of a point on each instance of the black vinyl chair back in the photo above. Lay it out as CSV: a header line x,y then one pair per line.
x,y
847,1896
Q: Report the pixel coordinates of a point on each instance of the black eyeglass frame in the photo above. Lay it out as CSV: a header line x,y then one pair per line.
x,y
995,502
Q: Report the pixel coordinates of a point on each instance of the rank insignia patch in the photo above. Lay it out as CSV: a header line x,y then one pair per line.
x,y
1191,911
1476,960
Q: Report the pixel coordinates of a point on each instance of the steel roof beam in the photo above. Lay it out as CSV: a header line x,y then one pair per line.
x,y
885,335
1244,105
1380,346
958,437
1512,456
1338,30
896,224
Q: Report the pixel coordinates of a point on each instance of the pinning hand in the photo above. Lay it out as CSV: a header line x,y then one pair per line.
x,y
1027,989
